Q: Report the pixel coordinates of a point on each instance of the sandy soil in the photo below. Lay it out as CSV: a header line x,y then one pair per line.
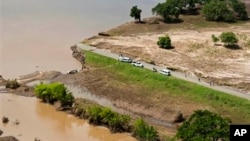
x,y
194,51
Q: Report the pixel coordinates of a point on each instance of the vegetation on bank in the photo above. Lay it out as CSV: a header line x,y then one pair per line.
x,y
234,107
54,92
204,126
144,132
105,116
12,84
116,122
95,113
212,10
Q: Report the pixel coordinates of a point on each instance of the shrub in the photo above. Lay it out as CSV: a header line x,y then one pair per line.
x,y
229,38
54,92
105,116
164,42
144,132
12,84
214,38
94,114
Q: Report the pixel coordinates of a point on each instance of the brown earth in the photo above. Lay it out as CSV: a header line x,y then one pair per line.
x,y
8,138
194,51
133,100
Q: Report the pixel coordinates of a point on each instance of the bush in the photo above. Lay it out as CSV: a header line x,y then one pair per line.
x,y
204,126
229,38
144,132
94,114
216,10
105,116
54,92
164,42
12,84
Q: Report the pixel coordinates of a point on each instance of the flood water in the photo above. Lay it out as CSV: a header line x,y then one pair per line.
x,y
37,35
42,121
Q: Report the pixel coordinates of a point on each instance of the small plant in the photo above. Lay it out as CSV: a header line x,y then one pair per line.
x,y
12,84
164,42
215,39
144,132
229,38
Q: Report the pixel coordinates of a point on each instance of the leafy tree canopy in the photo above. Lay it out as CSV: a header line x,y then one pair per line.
x,y
168,10
204,126
164,42
224,10
229,38
240,9
135,13
216,10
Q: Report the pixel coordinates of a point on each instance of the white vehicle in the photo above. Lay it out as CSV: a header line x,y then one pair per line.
x,y
72,72
124,59
137,64
165,72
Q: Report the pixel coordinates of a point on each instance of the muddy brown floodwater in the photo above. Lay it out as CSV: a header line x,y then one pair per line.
x,y
40,120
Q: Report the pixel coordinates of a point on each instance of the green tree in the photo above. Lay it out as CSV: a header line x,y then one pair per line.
x,y
54,92
164,42
204,126
189,5
135,13
216,10
240,9
229,38
168,10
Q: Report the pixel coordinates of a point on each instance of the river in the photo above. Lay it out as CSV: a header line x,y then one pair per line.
x,y
40,120
37,35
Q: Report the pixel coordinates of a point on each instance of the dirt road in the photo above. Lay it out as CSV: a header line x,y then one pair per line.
x,y
175,74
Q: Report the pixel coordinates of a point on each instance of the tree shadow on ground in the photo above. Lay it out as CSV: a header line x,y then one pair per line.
x,y
168,48
140,22
174,21
233,47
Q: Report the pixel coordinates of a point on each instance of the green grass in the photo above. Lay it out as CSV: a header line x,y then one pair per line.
x,y
236,108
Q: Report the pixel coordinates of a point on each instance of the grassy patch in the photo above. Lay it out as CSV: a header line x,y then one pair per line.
x,y
235,108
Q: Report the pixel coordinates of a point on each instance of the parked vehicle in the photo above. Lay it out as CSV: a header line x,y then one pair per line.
x,y
137,64
165,72
124,59
72,72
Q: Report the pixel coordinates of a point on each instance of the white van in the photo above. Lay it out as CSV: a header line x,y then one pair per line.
x,y
165,72
125,59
